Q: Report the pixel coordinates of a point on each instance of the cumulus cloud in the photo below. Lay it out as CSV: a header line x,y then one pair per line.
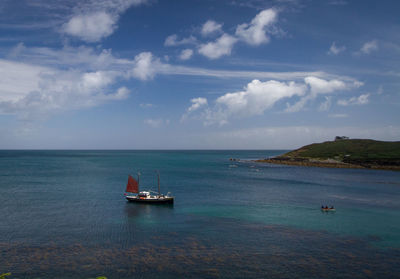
x,y
211,27
145,66
319,86
369,47
254,33
258,96
16,79
56,90
360,100
222,46
95,20
44,80
91,27
335,50
197,103
186,54
172,40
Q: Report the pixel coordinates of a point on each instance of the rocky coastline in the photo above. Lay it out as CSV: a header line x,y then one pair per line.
x,y
325,163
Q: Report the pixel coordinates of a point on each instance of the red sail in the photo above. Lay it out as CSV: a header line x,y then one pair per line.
x,y
132,186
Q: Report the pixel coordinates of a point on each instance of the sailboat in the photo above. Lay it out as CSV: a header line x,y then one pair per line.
x,y
132,187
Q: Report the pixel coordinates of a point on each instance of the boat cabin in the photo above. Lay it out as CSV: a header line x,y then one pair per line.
x,y
144,194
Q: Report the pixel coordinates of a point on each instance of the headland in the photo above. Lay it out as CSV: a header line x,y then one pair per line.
x,y
343,153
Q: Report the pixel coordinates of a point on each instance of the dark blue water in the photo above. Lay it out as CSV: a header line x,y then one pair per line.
x,y
63,215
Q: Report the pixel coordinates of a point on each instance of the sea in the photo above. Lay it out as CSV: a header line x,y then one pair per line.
x,y
63,214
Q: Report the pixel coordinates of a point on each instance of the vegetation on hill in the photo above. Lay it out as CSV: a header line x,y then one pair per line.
x,y
351,150
362,153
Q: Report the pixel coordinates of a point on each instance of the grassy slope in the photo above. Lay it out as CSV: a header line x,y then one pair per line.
x,y
360,150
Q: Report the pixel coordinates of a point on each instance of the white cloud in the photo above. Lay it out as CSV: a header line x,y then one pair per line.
x,y
211,27
186,54
299,105
325,106
95,20
258,96
169,69
145,66
222,46
172,40
320,86
71,57
48,80
156,123
360,100
91,27
121,94
254,33
197,103
95,80
17,79
57,90
254,100
369,47
335,50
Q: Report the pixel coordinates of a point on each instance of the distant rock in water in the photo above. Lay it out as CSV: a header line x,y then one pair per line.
x,y
344,153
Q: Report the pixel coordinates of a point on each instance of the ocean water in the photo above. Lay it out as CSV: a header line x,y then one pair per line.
x,y
63,215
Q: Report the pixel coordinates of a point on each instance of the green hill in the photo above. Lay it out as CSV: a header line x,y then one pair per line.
x,y
362,153
350,150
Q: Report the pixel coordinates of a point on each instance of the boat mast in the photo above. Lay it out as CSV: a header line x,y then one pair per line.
x,y
158,175
138,180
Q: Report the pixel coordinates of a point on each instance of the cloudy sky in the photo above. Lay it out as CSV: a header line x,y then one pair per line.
x,y
199,74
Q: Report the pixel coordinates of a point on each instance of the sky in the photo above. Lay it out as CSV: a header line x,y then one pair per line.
x,y
198,74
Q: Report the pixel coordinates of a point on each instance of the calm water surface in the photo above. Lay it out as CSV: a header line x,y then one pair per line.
x,y
63,215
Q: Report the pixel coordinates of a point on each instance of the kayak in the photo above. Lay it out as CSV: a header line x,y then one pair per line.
x,y
328,209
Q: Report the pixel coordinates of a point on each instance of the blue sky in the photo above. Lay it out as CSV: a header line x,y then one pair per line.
x,y
148,74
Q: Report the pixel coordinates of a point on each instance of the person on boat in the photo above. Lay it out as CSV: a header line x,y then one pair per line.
x,y
326,207
332,207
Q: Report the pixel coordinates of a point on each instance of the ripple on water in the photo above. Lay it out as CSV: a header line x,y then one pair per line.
x,y
267,250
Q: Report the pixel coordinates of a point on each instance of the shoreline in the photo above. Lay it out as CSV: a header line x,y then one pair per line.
x,y
328,163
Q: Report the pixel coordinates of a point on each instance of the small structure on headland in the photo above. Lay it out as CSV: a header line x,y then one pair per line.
x,y
341,138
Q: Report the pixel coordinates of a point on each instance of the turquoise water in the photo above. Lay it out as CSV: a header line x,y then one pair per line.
x,y
64,215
